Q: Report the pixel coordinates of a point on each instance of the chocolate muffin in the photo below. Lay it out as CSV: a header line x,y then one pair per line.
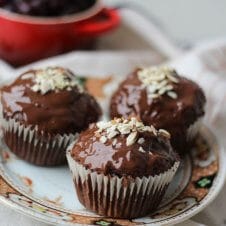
x,y
43,111
122,168
162,98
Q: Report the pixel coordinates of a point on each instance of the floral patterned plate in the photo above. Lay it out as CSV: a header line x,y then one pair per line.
x,y
48,195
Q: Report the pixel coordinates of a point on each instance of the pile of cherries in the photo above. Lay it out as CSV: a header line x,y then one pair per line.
x,y
46,7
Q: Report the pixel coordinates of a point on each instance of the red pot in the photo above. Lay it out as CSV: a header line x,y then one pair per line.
x,y
24,39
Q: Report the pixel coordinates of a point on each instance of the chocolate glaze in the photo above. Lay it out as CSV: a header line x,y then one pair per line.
x,y
174,115
54,112
122,160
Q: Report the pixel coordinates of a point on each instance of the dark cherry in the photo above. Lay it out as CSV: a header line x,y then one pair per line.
x,y
46,7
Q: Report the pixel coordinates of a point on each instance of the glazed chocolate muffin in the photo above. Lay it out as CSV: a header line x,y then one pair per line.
x,y
46,7
122,168
162,98
42,112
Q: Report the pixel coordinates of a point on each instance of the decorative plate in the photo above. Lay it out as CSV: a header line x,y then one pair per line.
x,y
48,195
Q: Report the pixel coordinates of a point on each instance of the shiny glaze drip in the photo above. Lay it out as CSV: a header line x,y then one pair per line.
x,y
120,159
55,112
174,115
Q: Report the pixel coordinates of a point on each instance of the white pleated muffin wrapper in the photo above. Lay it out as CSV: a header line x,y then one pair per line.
x,y
111,188
43,149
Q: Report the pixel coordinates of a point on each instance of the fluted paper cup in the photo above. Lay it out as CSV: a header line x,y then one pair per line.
x,y
36,147
121,197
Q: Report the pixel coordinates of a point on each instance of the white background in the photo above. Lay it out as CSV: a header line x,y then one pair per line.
x,y
184,20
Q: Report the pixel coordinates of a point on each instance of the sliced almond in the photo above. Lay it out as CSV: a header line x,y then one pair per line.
x,y
112,134
172,78
165,133
27,76
114,142
172,94
153,95
124,128
141,150
103,139
141,140
153,130
131,139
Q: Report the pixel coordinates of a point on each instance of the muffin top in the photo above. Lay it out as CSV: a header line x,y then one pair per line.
x,y
124,147
159,97
51,100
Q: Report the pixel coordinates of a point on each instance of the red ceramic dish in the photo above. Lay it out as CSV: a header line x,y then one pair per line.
x,y
24,39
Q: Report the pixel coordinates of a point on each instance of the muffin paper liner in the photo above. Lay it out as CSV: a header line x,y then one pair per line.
x,y
121,197
38,148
